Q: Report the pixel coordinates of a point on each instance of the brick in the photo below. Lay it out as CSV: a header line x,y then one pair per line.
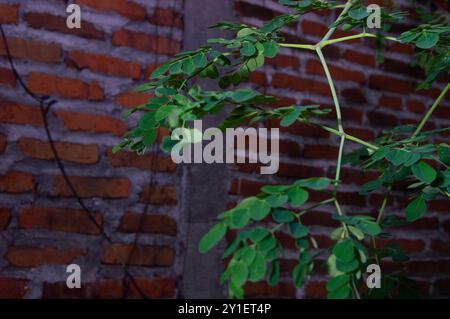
x,y
132,99
102,289
263,289
16,182
60,219
250,188
289,148
409,245
32,50
443,287
252,10
13,113
125,8
13,288
77,121
30,257
159,195
7,77
40,20
338,73
69,88
167,17
104,64
382,119
398,67
392,102
416,106
152,288
286,81
152,224
284,61
315,289
300,129
141,255
355,176
299,171
144,162
386,83
145,42
314,28
5,218
359,58
87,187
362,133
77,153
354,95
351,198
2,143
320,151
8,13
258,78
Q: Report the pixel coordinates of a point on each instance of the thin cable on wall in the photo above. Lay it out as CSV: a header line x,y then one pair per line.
x,y
45,103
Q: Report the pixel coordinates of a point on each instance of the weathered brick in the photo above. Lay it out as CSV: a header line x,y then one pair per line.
x,y
13,113
392,102
88,186
13,288
77,121
286,81
16,182
299,171
284,61
314,28
104,64
382,119
264,290
77,153
258,78
2,143
5,218
7,77
320,151
8,13
125,8
416,106
153,224
145,42
386,83
132,99
41,20
141,255
47,84
60,219
32,50
167,17
144,162
354,95
102,289
315,289
159,195
338,73
30,257
359,58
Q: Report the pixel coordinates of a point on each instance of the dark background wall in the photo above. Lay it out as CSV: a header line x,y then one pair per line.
x,y
148,207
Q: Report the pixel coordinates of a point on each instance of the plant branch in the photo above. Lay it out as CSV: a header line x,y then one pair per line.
x,y
431,110
352,37
330,32
298,46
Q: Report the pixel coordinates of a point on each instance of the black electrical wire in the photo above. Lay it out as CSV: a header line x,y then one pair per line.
x,y
45,103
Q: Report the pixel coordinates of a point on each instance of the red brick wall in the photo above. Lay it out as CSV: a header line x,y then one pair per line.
x,y
373,97
91,72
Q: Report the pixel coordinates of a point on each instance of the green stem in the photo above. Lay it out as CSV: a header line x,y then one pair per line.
x,y
329,200
330,32
431,110
352,37
347,136
298,46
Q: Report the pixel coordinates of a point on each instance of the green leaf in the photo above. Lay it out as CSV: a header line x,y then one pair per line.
x,y
444,153
248,255
369,227
282,216
243,95
424,172
427,40
188,66
340,293
258,208
267,244
270,49
248,49
274,189
258,268
274,274
291,117
200,60
344,250
239,274
298,230
346,267
297,196
245,32
239,218
258,234
232,247
355,231
299,274
337,282
212,237
147,121
358,13
277,200
315,183
416,209
149,137
398,157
